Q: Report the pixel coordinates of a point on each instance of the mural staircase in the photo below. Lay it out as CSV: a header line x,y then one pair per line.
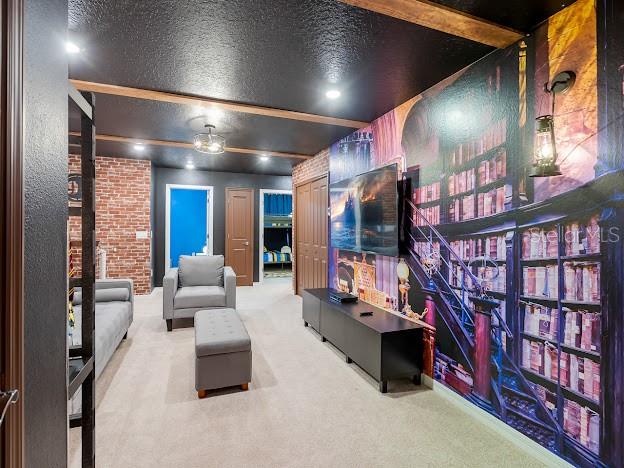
x,y
512,399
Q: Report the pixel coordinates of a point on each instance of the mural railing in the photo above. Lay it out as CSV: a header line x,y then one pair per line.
x,y
464,281
426,249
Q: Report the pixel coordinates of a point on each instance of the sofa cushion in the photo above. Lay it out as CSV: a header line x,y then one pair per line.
x,y
199,296
112,320
104,295
201,270
220,331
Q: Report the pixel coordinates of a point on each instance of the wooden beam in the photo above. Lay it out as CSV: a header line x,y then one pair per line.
x,y
442,18
161,96
186,145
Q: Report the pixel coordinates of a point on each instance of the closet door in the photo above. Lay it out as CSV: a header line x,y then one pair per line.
x,y
318,194
303,228
311,233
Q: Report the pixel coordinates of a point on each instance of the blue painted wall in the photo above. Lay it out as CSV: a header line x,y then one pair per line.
x,y
188,226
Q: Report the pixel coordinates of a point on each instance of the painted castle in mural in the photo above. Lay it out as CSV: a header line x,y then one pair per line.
x,y
531,350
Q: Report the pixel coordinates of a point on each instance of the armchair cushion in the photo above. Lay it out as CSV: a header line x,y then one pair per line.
x,y
201,270
199,296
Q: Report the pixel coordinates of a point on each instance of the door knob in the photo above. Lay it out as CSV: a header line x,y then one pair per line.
x,y
246,243
6,400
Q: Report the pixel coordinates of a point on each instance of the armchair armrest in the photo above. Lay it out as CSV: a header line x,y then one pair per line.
x,y
229,284
170,287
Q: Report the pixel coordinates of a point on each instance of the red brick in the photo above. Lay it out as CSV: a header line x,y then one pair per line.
x,y
122,207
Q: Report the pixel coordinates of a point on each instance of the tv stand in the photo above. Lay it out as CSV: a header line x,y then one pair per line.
x,y
384,345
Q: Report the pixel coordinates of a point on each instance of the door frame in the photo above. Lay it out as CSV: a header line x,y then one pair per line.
x,y
12,236
210,227
261,229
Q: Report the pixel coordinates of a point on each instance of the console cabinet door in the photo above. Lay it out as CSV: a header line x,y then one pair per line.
x,y
364,348
312,310
334,325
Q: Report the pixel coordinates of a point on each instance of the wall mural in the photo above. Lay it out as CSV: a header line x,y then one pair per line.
x,y
465,150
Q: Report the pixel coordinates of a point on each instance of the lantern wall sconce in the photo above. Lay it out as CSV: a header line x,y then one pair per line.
x,y
545,157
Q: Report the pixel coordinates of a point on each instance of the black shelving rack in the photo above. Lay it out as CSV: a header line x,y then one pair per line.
x,y
81,362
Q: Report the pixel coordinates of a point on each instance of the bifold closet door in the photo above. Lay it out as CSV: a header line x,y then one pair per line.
x,y
311,226
318,196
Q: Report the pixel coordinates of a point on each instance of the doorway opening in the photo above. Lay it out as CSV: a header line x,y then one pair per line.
x,y
275,234
189,226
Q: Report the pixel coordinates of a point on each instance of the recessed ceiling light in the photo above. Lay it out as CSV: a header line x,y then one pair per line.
x,y
139,147
71,48
264,157
332,94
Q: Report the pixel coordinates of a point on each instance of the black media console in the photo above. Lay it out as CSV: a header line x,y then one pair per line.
x,y
385,345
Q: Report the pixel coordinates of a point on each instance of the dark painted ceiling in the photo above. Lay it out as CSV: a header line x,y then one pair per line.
x,y
277,53
522,15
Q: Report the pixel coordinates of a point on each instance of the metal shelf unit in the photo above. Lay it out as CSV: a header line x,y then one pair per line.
x,y
81,368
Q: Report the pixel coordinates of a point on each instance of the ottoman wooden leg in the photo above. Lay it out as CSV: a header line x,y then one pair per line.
x,y
201,393
245,386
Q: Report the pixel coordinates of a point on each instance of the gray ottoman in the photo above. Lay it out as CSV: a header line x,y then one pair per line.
x,y
222,351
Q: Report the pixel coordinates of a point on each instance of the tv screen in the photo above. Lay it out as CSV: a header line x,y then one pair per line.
x,y
364,212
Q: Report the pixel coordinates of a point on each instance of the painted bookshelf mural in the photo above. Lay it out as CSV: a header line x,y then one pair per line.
x,y
536,347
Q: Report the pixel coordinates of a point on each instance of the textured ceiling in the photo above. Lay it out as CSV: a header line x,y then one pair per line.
x,y
277,53
522,15
137,118
177,158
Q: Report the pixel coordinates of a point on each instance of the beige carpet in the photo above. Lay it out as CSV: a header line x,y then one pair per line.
x,y
305,406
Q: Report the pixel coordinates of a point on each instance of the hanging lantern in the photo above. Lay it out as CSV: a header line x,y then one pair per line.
x,y
545,154
545,162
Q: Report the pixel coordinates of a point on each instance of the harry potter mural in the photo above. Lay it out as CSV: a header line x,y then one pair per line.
x,y
520,290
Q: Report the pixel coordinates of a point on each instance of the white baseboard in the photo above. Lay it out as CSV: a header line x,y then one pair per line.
x,y
515,437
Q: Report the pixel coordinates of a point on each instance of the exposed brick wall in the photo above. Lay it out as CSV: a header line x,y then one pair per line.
x,y
310,169
122,208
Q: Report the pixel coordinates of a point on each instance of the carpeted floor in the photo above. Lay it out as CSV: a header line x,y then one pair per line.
x,y
305,406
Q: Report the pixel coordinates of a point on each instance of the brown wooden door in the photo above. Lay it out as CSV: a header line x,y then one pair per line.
x,y
318,194
302,248
239,233
311,225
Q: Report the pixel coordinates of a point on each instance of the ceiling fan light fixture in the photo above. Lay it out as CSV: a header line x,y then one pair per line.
x,y
209,143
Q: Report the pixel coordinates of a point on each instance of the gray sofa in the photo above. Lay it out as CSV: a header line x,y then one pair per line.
x,y
200,282
114,307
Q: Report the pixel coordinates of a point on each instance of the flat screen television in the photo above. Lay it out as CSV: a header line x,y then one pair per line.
x,y
364,212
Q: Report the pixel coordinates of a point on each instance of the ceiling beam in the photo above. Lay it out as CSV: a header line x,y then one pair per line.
x,y
175,98
186,145
442,18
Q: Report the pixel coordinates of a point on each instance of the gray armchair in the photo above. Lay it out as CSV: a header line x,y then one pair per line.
x,y
200,282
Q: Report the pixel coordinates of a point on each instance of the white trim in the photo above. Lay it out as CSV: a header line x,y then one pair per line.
x,y
261,229
210,190
515,437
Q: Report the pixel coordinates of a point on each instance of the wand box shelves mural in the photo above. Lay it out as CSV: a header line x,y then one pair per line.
x,y
530,348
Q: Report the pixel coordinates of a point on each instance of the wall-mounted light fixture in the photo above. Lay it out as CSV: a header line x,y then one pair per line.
x,y
545,156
